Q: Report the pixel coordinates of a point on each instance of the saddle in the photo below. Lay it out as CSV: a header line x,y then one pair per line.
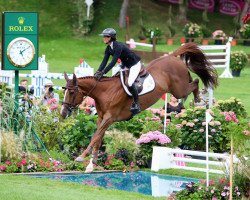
x,y
144,83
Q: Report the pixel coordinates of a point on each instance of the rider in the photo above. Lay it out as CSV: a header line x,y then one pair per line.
x,y
129,60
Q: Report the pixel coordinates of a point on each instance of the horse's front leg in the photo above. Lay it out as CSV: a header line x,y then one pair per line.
x,y
96,139
96,143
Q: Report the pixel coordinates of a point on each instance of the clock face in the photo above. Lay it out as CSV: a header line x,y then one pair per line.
x,y
21,52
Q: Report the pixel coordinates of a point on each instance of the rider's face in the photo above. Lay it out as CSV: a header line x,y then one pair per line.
x,y
106,39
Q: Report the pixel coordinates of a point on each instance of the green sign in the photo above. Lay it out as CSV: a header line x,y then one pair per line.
x,y
20,41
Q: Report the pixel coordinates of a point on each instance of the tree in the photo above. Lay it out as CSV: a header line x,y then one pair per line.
x,y
244,12
183,11
123,13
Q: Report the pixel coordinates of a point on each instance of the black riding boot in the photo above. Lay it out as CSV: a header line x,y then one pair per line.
x,y
135,108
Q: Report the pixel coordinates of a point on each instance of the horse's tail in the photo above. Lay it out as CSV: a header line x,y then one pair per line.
x,y
198,63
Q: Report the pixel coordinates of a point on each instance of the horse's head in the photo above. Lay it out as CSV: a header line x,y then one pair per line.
x,y
72,96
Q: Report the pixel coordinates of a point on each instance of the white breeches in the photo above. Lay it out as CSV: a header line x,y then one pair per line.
x,y
133,73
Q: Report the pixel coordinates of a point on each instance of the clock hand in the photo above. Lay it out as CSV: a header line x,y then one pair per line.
x,y
24,50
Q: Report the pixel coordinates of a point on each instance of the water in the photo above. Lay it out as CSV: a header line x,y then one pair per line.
x,y
142,182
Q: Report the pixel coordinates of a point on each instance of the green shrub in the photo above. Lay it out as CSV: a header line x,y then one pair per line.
x,y
138,125
232,104
193,132
115,141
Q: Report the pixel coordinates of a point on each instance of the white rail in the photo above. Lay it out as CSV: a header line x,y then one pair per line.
x,y
164,158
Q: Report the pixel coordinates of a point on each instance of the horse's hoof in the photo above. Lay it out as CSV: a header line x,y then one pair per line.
x,y
79,159
90,167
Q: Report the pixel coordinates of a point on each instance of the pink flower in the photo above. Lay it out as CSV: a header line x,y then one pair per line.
x,y
24,162
214,198
2,168
132,164
223,194
153,136
7,162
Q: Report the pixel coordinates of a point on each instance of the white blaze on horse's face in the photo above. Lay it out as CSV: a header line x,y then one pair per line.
x,y
63,108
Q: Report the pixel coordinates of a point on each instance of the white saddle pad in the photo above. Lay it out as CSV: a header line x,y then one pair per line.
x,y
148,85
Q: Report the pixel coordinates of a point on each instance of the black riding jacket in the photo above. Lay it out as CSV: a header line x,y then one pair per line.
x,y
120,50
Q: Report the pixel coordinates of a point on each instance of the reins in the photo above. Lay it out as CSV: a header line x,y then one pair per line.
x,y
72,106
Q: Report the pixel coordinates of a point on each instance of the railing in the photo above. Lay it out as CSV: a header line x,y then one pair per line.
x,y
219,56
164,158
38,77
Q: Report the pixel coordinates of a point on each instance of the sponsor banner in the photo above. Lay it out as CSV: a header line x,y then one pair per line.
x,y
202,4
231,7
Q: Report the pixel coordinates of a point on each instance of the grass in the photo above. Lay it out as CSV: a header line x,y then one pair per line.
x,y
27,188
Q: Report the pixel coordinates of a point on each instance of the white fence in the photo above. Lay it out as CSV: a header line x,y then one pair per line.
x,y
219,56
39,77
164,158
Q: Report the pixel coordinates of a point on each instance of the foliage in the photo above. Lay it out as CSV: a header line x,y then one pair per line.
x,y
215,190
47,125
113,163
78,132
136,124
232,104
153,32
238,60
147,141
245,31
192,30
206,32
193,122
11,145
116,141
174,133
32,164
142,33
171,31
219,35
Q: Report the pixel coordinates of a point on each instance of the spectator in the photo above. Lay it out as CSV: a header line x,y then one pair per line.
x,y
25,98
88,106
173,106
49,97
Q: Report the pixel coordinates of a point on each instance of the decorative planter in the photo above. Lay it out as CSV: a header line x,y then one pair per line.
x,y
204,42
170,41
236,73
246,42
234,42
143,40
218,42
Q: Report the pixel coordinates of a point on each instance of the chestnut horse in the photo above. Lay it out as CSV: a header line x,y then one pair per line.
x,y
170,73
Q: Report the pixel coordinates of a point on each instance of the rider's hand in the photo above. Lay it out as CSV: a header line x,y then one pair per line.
x,y
98,75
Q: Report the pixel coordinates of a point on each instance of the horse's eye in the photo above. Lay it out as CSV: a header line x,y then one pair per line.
x,y
64,88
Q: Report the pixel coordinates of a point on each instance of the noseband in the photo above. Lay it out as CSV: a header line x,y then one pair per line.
x,y
71,106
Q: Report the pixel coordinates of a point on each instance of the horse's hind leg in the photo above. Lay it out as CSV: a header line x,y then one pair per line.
x,y
194,87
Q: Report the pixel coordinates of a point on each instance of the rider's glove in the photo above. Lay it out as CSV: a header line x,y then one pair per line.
x,y
98,75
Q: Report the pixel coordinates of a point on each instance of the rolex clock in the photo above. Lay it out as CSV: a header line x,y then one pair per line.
x,y
21,52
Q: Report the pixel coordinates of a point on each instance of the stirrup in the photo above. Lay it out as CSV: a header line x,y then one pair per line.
x,y
135,108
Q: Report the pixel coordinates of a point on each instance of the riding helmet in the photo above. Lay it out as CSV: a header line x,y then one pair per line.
x,y
109,32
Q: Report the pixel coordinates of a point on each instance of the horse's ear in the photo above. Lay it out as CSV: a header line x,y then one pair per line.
x,y
74,79
66,76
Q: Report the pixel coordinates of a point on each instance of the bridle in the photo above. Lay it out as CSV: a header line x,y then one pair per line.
x,y
71,106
